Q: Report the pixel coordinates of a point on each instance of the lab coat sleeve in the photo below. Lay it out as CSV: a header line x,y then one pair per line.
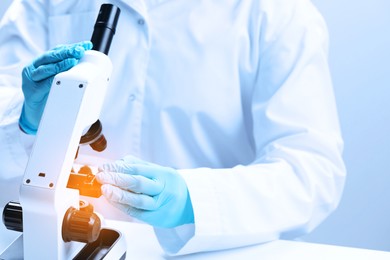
x,y
21,41
297,177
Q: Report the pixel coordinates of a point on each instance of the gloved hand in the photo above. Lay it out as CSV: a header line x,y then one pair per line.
x,y
151,193
38,77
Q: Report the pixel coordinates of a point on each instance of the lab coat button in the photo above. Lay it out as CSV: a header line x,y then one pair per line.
x,y
141,21
132,97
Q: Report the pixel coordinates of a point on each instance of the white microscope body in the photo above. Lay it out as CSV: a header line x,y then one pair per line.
x,y
74,103
51,224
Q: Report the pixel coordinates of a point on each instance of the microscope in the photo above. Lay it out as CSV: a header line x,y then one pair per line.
x,y
54,222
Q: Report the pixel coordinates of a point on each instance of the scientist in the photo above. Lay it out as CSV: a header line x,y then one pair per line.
x,y
220,116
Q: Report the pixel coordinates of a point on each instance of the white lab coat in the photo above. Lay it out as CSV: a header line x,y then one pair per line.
x,y
234,94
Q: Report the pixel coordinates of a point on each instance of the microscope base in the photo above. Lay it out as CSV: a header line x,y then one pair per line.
x,y
109,245
14,250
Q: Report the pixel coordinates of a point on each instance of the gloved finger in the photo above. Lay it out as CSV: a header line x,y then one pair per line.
x,y
54,56
129,210
134,183
61,53
87,45
151,171
139,201
148,171
52,69
122,165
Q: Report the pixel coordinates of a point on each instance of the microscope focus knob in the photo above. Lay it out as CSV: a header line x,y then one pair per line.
x,y
81,226
13,217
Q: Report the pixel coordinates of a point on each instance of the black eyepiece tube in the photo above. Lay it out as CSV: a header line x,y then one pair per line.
x,y
103,32
105,27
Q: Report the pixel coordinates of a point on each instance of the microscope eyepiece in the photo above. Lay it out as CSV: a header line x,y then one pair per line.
x,y
105,28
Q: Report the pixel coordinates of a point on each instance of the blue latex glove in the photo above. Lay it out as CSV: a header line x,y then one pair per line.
x,y
38,77
151,193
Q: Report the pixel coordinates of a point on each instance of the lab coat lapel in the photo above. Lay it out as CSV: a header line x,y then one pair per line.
x,y
137,5
142,5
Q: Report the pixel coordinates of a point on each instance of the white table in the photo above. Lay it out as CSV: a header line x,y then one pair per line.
x,y
143,245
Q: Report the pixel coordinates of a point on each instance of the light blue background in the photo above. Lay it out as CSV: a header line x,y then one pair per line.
x,y
360,64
